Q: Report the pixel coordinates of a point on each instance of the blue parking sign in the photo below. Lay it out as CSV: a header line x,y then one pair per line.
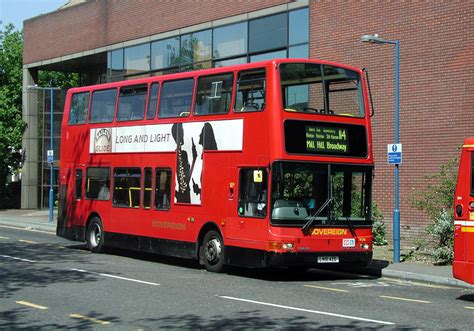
x,y
50,155
394,153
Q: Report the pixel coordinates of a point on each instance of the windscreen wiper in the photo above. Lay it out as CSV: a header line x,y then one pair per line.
x,y
351,227
312,218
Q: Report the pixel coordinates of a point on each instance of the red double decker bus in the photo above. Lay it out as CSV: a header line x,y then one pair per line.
x,y
256,165
463,264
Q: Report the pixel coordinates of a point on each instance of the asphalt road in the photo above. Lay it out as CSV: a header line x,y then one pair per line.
x,y
50,283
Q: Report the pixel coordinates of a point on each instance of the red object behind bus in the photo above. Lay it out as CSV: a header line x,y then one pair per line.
x,y
463,264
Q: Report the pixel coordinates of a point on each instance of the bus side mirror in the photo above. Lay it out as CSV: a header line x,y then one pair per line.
x,y
459,210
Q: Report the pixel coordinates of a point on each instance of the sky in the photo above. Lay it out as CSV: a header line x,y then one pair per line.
x,y
16,11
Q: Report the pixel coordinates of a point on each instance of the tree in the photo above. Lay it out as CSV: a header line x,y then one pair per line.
x,y
11,123
12,126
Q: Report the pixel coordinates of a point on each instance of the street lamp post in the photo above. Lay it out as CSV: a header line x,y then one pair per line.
x,y
376,39
51,148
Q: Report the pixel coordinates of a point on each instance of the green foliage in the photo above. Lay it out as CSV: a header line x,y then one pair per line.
x,y
437,200
12,126
378,227
438,196
11,123
63,80
442,230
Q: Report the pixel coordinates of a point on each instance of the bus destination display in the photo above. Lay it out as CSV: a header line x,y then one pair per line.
x,y
327,139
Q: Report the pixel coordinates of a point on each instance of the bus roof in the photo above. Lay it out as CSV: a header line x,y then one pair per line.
x,y
210,71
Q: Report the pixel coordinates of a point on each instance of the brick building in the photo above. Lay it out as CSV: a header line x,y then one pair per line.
x,y
105,40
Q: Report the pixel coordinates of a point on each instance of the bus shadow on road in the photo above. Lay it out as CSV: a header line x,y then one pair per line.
x,y
296,274
143,256
290,274
466,297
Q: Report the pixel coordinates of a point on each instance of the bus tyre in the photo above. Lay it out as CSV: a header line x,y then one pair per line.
x,y
95,235
212,251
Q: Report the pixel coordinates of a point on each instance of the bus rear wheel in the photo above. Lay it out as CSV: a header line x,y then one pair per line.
x,y
95,235
212,252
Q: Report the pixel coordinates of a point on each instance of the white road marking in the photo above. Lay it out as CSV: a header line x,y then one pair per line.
x,y
326,288
113,276
404,299
17,258
4,237
307,310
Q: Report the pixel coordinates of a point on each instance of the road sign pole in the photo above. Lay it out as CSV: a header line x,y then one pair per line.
x,y
396,211
51,165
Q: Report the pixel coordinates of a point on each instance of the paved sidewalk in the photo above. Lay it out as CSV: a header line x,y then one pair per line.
x,y
442,275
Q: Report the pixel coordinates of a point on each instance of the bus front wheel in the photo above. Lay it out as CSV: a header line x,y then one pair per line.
x,y
95,235
212,252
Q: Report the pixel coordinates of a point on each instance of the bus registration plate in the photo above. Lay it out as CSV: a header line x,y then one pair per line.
x,y
328,259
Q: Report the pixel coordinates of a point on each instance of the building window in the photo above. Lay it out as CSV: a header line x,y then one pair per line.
x,y
103,106
78,112
268,56
98,183
137,59
115,60
176,98
250,91
131,104
214,94
299,26
196,47
163,189
165,53
230,40
298,52
268,32
231,62
253,193
127,187
279,35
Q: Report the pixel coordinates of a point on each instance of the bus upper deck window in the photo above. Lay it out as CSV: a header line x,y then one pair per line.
x,y
312,88
79,106
152,100
131,104
250,91
343,92
103,106
214,94
176,98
